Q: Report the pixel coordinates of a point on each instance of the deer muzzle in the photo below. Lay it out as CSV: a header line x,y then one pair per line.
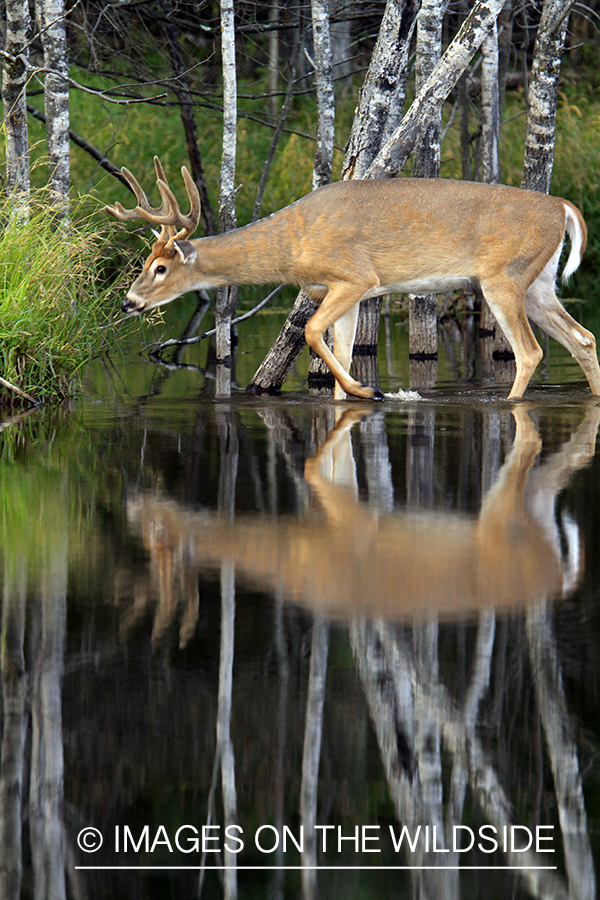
x,y
129,305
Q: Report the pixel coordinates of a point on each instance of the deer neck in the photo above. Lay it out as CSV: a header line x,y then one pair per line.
x,y
258,253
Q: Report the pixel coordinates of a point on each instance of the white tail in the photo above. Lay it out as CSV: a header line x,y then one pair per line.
x,y
357,239
577,236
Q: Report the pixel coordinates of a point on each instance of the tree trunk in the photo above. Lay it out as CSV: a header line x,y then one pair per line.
x,y
14,78
229,442
490,109
46,789
227,297
422,309
382,95
541,100
51,20
311,753
431,97
497,355
324,91
318,373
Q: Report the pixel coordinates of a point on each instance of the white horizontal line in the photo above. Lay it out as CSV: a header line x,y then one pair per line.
x,y
325,868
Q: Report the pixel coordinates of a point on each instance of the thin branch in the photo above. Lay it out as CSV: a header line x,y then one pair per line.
x,y
17,390
179,342
94,152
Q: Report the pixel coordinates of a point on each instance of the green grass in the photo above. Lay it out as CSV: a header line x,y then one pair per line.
x,y
54,311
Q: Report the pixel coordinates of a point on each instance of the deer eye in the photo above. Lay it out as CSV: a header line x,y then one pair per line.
x,y
160,270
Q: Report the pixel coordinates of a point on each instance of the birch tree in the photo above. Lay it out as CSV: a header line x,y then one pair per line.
x,y
229,441
14,101
15,684
422,309
325,131
490,107
403,142
51,22
227,297
496,350
324,92
541,98
381,101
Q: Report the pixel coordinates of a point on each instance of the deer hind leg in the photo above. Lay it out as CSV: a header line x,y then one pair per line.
x,y
340,300
507,302
545,309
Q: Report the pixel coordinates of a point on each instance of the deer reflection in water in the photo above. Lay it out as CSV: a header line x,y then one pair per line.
x,y
346,559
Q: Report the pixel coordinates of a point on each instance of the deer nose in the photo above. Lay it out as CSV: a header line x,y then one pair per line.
x,y
127,305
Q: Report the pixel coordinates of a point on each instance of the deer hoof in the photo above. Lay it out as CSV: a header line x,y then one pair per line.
x,y
377,394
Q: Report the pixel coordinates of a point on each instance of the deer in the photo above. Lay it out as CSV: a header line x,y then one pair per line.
x,y
351,240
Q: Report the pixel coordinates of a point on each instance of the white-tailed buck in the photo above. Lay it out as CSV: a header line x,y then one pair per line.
x,y
356,239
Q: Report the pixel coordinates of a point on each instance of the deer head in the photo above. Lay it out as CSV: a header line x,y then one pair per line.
x,y
158,283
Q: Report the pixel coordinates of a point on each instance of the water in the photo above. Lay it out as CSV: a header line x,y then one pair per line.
x,y
312,626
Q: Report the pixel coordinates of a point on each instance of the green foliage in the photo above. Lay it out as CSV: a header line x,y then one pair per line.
x,y
53,300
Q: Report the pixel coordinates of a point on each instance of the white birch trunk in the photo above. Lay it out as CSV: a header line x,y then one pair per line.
x,y
496,351
227,297
541,99
14,78
382,95
429,50
422,309
325,130
224,742
51,22
431,97
490,108
325,94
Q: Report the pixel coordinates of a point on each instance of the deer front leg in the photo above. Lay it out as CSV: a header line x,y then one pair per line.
x,y
344,332
340,299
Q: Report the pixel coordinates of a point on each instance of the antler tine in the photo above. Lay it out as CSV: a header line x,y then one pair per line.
x,y
186,224
168,214
162,215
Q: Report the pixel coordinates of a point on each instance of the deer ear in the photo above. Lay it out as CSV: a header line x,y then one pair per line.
x,y
186,251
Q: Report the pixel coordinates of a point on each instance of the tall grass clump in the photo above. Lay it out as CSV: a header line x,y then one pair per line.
x,y
54,308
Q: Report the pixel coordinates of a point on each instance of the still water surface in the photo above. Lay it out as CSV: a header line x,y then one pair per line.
x,y
271,647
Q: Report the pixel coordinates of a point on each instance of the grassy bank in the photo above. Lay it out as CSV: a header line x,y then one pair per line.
x,y
54,305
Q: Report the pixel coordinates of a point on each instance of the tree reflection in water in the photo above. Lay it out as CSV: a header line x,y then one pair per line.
x,y
392,577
